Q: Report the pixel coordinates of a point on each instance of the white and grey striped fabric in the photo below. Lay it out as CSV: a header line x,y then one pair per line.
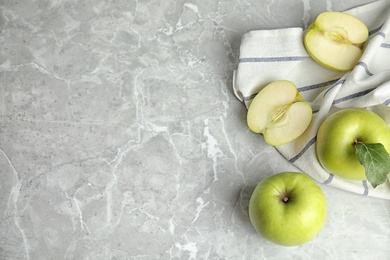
x,y
269,55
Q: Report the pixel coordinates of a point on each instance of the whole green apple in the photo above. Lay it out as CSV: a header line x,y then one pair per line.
x,y
288,208
338,134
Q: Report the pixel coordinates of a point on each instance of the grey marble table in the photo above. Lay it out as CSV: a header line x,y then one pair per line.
x,y
120,137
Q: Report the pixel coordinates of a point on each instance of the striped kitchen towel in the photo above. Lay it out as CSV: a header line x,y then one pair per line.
x,y
269,55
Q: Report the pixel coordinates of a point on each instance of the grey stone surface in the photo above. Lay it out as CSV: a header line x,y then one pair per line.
x,y
120,137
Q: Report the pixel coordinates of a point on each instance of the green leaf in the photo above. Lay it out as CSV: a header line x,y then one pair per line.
x,y
376,162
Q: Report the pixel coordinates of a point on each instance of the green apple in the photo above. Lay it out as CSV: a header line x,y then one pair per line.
x,y
335,40
288,208
338,134
279,112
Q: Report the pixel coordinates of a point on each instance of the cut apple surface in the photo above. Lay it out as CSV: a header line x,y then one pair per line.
x,y
279,112
335,40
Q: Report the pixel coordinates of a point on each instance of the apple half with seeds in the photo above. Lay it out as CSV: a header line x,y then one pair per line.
x,y
279,113
335,40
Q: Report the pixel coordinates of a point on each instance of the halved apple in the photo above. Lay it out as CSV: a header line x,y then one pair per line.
x,y
335,40
279,112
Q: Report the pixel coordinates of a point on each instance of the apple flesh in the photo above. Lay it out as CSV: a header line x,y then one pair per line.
x,y
288,208
338,134
335,40
279,112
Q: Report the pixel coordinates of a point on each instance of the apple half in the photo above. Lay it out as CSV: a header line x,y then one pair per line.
x,y
279,113
335,40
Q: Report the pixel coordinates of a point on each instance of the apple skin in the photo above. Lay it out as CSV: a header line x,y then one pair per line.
x,y
336,137
290,223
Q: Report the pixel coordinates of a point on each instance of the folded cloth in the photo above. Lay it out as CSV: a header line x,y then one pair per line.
x,y
269,55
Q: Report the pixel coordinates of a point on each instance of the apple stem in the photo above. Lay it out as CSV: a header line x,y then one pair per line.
x,y
285,199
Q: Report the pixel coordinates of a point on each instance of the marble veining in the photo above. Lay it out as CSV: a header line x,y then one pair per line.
x,y
120,137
